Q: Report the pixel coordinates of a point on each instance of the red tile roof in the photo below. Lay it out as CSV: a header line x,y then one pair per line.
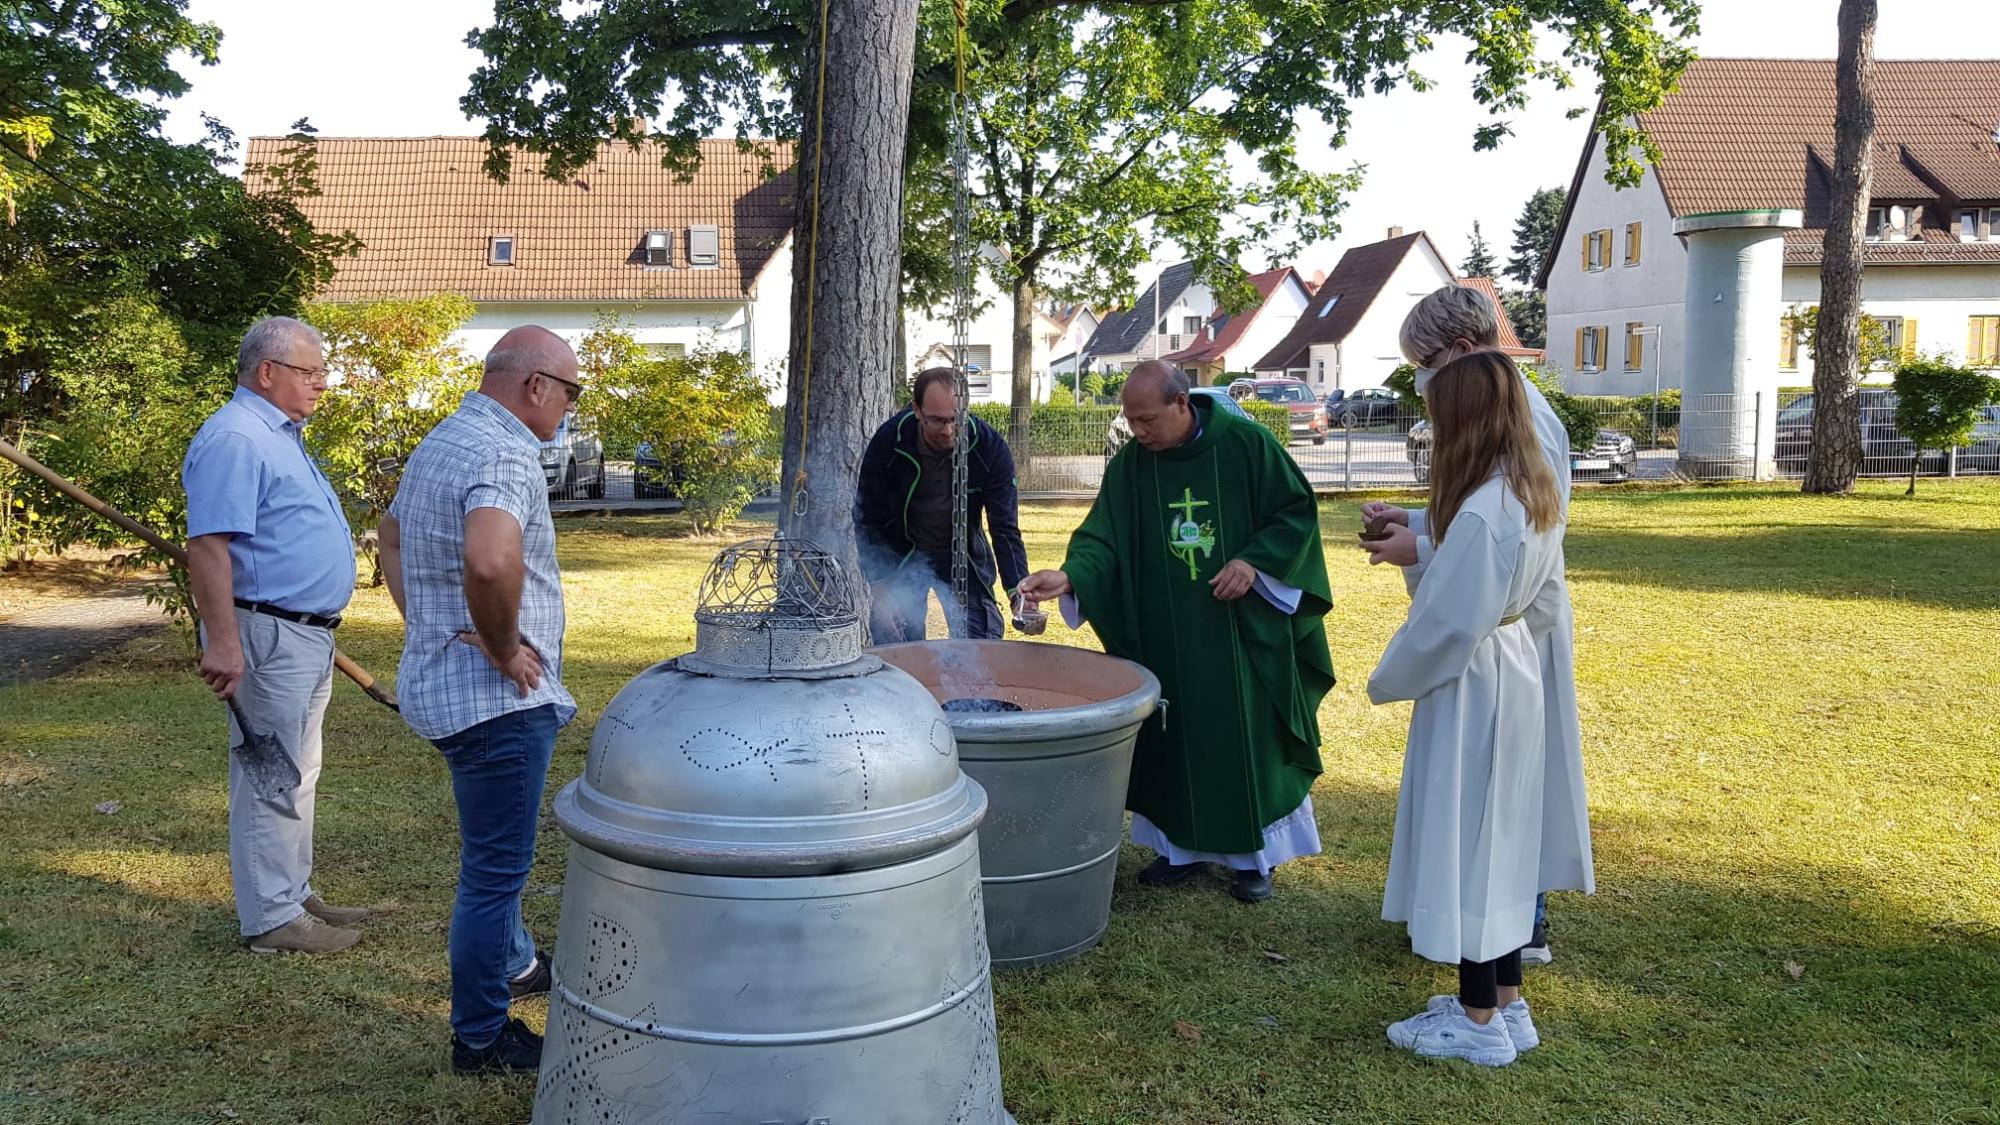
x,y
1757,134
1510,341
425,209
1225,329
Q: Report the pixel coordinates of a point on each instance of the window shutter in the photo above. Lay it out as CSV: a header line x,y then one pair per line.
x,y
1632,232
1589,248
1635,347
1909,349
704,247
1788,346
1579,349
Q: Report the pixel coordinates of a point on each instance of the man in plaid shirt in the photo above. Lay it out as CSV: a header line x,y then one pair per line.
x,y
469,552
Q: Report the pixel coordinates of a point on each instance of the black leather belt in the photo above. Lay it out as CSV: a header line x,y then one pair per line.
x,y
268,610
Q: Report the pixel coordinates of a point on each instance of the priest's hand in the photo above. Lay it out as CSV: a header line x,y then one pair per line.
x,y
1044,585
1233,580
1399,549
1379,515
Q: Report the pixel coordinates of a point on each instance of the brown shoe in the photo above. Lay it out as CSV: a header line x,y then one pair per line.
x,y
336,915
304,934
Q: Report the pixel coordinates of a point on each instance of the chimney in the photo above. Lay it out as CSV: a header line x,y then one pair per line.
x,y
1395,232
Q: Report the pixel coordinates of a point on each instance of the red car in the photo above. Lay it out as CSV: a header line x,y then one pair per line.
x,y
1308,415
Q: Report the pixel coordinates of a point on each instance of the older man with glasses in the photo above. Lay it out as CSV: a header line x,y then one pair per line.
x,y
469,552
271,565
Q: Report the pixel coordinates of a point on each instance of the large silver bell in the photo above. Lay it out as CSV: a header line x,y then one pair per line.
x,y
772,909
1047,731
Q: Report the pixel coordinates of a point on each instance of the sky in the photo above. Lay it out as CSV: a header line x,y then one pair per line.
x,y
376,68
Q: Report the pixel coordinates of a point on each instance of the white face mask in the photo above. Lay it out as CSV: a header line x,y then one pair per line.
x,y
1423,379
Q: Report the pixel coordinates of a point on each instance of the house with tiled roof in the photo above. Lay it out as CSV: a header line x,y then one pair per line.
x,y
705,261
1233,341
1685,280
1510,341
1347,336
1167,317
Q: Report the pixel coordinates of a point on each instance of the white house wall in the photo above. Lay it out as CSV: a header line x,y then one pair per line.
x,y
691,324
1651,293
1372,349
770,312
992,327
1288,302
1941,299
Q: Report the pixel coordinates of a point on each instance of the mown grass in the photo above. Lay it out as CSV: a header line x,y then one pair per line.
x,y
1789,707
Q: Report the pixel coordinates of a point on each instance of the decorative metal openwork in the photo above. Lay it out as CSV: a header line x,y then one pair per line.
x,y
783,582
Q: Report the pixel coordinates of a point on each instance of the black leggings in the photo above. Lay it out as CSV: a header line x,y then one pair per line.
x,y
1480,982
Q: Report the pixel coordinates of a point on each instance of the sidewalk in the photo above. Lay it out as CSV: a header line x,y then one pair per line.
x,y
48,642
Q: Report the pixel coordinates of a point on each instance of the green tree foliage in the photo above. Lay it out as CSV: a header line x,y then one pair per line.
x,y
1802,321
706,413
1479,261
1528,312
129,265
396,374
1403,381
1937,405
1535,233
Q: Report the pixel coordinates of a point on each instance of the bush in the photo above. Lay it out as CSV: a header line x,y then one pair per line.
x,y
1229,377
1403,380
1271,416
1937,405
1059,429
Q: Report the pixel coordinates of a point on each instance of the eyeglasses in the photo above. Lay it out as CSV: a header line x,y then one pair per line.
x,y
309,374
569,388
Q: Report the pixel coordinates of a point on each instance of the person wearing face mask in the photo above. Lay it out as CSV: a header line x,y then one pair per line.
x,y
1450,323
1201,560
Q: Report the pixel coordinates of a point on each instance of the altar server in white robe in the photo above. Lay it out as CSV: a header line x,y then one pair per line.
x,y
1466,861
1448,323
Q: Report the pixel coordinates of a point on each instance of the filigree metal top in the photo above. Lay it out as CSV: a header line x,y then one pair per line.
x,y
782,583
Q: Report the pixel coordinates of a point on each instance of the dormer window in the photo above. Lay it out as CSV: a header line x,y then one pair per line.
x,y
500,250
1328,307
659,248
1892,223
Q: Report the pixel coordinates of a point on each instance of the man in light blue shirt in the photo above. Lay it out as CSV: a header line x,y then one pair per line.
x,y
271,564
469,552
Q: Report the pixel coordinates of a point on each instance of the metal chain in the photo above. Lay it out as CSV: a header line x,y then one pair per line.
x,y
961,320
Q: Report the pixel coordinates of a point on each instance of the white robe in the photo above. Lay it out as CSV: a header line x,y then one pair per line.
x,y
1465,863
1566,855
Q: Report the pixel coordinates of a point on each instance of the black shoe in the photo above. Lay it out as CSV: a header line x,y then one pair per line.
x,y
1161,873
1250,886
1536,952
517,1051
536,983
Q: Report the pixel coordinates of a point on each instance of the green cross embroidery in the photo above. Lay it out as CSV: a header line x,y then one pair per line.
x,y
1185,536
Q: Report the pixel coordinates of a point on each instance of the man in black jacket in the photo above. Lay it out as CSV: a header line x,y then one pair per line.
x,y
902,516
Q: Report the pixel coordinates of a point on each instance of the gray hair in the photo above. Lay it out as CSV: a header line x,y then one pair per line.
x,y
1172,381
270,338
1450,314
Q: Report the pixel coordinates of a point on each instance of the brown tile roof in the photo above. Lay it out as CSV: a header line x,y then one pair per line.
x,y
424,210
1756,134
1350,288
1510,341
1225,329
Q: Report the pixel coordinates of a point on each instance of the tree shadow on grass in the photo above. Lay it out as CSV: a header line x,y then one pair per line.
x,y
1942,567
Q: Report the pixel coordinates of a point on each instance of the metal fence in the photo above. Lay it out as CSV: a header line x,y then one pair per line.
x,y
1705,437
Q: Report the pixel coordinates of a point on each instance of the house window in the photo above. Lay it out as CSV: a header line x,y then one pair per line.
x,y
1319,371
1635,346
500,250
1982,341
1993,223
659,248
1788,345
1190,324
1893,223
1328,307
1590,345
704,247
1900,333
1632,244
1597,250
1878,218
1968,226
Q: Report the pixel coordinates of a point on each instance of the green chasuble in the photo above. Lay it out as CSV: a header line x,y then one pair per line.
x,y
1236,745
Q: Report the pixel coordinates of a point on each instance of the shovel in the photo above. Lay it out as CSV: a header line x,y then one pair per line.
x,y
269,769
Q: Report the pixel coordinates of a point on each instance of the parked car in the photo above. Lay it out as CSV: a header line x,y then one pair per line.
x,y
1883,448
1121,430
1368,406
1333,399
573,462
1611,458
1982,454
1308,415
652,480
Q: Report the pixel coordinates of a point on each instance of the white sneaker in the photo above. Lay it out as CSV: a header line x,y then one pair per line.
x,y
1446,1032
1521,1026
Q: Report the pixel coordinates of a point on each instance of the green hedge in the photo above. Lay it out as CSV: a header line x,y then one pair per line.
x,y
1271,416
1058,429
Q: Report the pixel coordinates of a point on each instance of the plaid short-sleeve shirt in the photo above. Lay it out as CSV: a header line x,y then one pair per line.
x,y
480,457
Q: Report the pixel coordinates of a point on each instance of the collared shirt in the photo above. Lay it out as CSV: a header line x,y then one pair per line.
x,y
247,476
480,457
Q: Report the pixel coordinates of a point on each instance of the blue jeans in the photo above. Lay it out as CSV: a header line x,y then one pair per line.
x,y
1541,909
498,771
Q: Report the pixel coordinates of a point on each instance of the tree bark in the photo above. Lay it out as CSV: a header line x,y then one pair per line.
x,y
846,278
1836,453
1024,368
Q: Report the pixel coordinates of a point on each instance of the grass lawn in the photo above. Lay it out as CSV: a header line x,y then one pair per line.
x,y
1789,708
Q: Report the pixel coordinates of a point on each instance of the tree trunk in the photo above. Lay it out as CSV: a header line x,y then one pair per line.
x,y
1835,457
846,279
1024,369
1916,462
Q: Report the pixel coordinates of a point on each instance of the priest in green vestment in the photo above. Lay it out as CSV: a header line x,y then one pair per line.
x,y
1201,560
